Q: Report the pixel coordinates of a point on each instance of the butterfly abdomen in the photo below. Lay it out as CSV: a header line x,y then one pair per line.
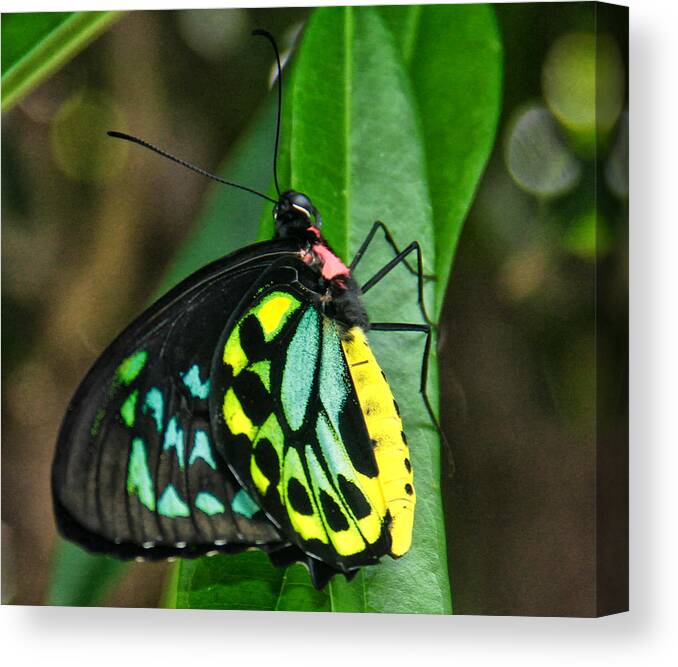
x,y
385,428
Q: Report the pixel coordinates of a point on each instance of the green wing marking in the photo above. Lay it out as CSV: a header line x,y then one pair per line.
x,y
129,407
171,504
202,450
333,379
243,504
139,480
209,504
174,438
154,405
131,367
196,386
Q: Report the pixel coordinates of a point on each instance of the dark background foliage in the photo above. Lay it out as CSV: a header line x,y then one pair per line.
x,y
86,242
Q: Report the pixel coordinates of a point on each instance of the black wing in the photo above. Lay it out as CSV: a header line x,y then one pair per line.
x,y
136,470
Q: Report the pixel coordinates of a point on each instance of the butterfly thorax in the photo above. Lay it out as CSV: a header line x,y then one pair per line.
x,y
340,296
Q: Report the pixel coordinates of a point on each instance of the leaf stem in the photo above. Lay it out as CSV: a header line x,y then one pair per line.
x,y
52,52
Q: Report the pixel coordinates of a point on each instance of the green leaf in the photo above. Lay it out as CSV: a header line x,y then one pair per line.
x,y
455,60
79,579
246,581
357,149
34,45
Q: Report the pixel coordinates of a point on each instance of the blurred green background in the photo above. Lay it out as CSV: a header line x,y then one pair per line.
x,y
530,382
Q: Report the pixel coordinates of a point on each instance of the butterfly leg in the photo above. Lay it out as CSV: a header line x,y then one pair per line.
x,y
389,239
387,268
425,329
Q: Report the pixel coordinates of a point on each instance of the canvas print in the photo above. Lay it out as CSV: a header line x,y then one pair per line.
x,y
317,309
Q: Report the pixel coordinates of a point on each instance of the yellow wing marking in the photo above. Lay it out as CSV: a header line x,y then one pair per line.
x,y
273,311
234,355
370,526
234,416
385,429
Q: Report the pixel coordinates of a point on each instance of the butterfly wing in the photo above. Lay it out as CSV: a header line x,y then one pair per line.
x,y
285,412
136,471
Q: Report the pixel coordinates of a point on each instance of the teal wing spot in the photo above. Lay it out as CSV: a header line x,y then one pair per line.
x,y
333,380
154,404
131,367
209,504
174,437
139,479
243,504
300,365
202,450
196,386
333,450
171,505
129,407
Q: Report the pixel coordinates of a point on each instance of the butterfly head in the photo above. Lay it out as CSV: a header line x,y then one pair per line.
x,y
294,214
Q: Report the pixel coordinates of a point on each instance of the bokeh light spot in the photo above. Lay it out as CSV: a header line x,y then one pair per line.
x,y
588,236
583,82
80,146
525,271
536,156
212,33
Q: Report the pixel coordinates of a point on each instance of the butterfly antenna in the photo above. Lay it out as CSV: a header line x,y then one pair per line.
x,y
183,163
269,37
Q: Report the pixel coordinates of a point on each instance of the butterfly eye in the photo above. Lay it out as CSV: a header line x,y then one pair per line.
x,y
311,213
300,202
295,209
303,210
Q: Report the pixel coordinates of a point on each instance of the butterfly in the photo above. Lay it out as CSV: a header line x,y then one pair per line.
x,y
245,409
